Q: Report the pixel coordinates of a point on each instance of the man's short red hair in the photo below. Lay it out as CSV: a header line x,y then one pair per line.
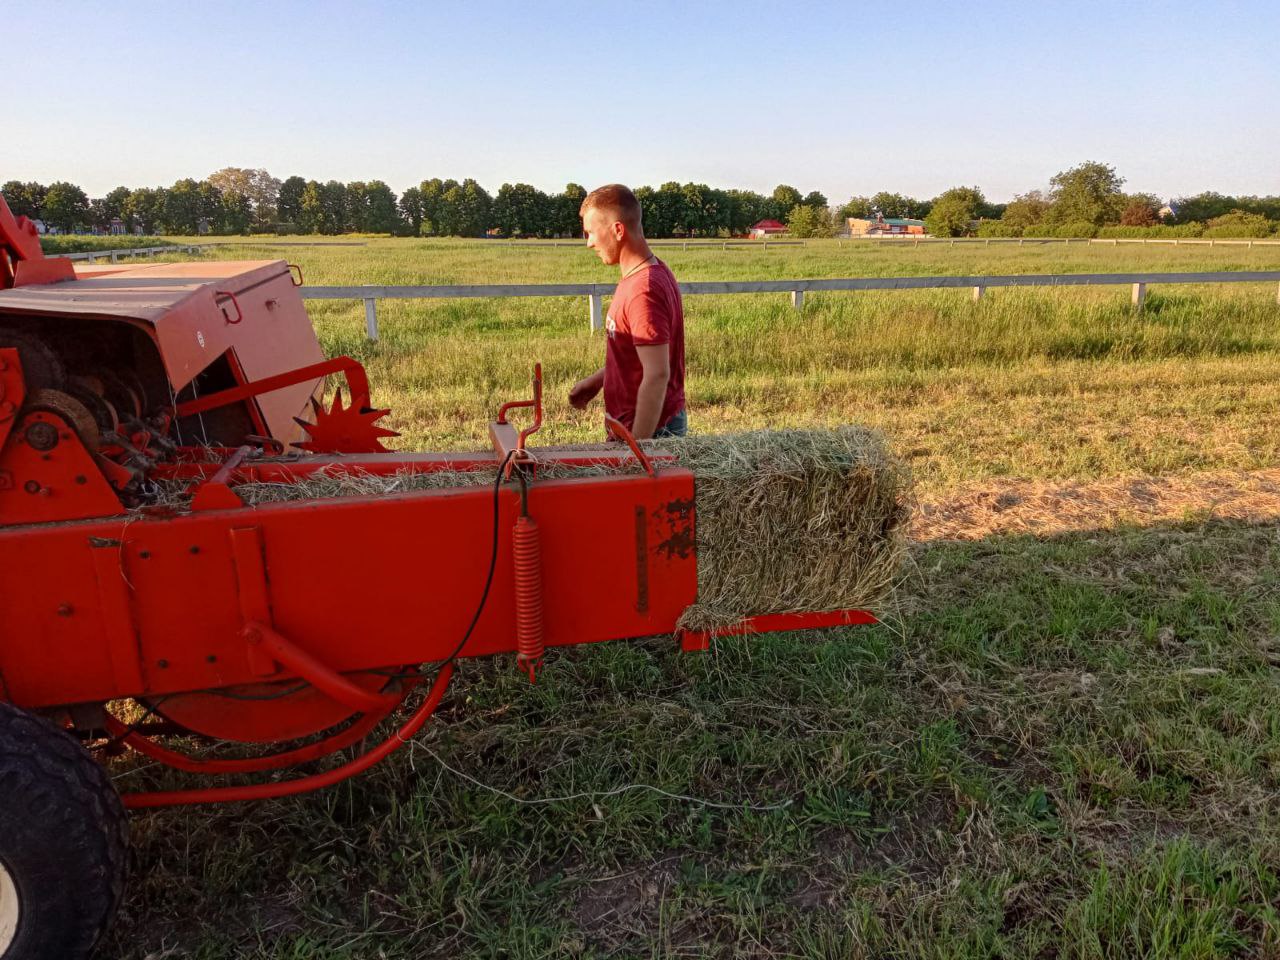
x,y
614,200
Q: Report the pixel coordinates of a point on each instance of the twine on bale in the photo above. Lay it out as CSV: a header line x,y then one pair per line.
x,y
788,521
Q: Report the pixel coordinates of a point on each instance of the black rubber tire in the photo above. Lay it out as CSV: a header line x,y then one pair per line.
x,y
64,839
42,369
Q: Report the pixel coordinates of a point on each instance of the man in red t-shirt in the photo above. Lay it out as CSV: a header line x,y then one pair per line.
x,y
643,372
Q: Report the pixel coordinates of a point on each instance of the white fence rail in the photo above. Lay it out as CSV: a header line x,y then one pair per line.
x,y
596,292
114,256
915,241
683,244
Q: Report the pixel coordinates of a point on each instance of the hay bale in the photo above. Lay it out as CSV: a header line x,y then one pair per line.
x,y
793,521
787,520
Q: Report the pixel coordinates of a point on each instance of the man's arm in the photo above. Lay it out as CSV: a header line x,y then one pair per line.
x,y
585,390
655,359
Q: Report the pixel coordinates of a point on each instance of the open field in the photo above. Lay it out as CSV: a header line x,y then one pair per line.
x,y
1062,743
1052,383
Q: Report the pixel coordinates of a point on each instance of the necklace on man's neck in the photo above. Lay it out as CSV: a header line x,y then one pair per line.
x,y
642,263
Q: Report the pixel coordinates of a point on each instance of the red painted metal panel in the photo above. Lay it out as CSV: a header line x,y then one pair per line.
x,y
47,270
63,482
13,389
693,640
356,582
180,307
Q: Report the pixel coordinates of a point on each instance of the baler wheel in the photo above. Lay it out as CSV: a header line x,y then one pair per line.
x,y
42,369
137,390
70,409
90,392
63,843
125,399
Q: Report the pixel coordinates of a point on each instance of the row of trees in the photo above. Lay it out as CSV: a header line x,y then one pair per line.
x,y
229,201
466,209
1080,201
236,200
1089,200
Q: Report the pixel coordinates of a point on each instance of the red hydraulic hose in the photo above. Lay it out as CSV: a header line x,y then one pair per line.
x,y
267,791
273,761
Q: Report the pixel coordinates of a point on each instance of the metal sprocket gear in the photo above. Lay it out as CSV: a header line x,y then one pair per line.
x,y
344,429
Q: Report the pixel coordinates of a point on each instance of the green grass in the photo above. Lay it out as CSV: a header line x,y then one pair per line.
x,y
1066,747
1039,383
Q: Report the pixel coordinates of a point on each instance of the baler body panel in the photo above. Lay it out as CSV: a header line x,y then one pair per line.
x,y
155,606
197,313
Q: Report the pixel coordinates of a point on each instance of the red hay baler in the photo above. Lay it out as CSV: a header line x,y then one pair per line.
x,y
127,623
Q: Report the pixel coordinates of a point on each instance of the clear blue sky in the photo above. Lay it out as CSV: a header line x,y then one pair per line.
x,y
846,98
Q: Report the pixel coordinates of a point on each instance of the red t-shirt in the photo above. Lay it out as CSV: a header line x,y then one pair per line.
x,y
645,310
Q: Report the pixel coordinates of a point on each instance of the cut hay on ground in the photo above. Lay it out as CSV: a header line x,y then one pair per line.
x,y
1036,508
787,520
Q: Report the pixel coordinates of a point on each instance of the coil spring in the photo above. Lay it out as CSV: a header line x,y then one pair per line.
x,y
527,550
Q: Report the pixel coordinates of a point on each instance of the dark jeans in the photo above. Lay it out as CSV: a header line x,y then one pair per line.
x,y
677,426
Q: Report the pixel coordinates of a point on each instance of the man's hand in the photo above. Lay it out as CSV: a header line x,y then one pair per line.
x,y
585,390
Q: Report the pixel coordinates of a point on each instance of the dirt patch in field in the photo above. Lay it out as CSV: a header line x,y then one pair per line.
x,y
616,900
1044,509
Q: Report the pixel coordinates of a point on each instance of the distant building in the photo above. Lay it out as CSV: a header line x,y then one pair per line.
x,y
117,227
768,228
1166,212
879,226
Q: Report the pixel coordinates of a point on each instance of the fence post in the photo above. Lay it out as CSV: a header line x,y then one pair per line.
x,y
1139,297
595,311
89,257
371,317
797,299
115,257
977,293
1278,293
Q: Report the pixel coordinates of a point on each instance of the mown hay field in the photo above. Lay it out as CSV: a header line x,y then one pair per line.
x,y
1063,742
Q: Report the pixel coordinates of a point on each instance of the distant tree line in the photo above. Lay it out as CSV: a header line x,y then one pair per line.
x,y
239,201
1086,200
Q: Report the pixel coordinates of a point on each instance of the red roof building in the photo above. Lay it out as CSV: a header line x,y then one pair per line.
x,y
768,228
